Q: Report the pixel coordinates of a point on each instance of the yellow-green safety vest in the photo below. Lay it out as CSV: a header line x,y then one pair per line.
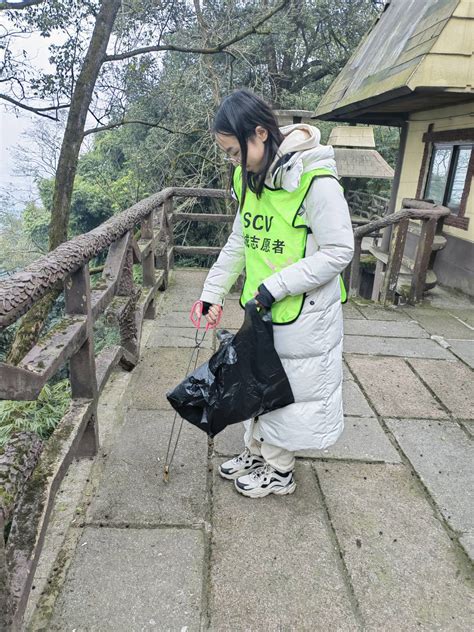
x,y
275,237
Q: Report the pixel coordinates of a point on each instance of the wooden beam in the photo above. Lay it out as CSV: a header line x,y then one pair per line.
x,y
137,255
355,268
57,347
116,258
19,384
115,311
395,256
82,373
422,259
101,298
25,381
148,261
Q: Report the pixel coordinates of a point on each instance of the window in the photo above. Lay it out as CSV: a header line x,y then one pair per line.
x,y
447,170
447,175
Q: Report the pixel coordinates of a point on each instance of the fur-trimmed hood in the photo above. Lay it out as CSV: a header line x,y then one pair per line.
x,y
300,152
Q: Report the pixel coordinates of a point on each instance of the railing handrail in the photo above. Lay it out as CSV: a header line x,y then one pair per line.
x,y
433,211
429,213
21,290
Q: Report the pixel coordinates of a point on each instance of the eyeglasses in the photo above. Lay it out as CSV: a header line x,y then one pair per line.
x,y
235,160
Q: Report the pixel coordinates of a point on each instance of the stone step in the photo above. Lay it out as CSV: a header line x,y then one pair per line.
x,y
404,282
406,269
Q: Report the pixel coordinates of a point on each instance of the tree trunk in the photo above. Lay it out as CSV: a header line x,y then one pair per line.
x,y
30,327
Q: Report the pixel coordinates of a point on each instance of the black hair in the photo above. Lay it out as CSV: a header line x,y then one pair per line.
x,y
238,115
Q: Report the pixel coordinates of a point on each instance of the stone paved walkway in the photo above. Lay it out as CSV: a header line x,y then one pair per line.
x,y
379,534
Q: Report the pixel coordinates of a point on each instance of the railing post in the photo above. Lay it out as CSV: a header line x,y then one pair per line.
x,y
83,378
422,259
148,261
395,255
355,267
164,258
168,208
128,325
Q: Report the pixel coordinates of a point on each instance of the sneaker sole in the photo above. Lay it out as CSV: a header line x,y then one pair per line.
x,y
260,493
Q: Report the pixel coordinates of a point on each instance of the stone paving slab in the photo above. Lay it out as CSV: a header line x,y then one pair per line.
x,y
346,374
393,389
440,322
452,382
469,427
274,565
464,314
230,441
399,347
187,277
350,311
179,337
467,543
374,312
354,402
232,315
389,329
132,490
160,370
178,319
464,349
405,571
363,439
443,457
177,302
132,580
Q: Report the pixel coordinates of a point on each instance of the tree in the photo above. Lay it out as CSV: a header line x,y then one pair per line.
x,y
81,94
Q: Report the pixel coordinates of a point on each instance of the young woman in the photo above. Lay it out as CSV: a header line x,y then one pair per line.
x,y
293,236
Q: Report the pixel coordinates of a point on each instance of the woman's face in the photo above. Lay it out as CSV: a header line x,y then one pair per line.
x,y
255,148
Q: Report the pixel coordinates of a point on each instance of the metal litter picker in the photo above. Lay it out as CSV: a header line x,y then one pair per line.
x,y
195,317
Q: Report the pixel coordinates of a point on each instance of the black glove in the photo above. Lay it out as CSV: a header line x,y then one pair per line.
x,y
205,307
264,297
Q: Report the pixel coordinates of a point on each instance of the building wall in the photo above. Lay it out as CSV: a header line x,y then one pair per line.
x,y
455,263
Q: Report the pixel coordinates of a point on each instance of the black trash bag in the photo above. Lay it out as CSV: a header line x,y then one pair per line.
x,y
243,379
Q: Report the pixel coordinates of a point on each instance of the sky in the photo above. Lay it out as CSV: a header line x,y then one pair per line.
x,y
17,125
14,124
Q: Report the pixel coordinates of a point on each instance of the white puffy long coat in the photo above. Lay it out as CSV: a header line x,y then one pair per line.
x,y
311,347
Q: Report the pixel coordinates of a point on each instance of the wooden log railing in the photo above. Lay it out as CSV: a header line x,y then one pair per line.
x,y
429,214
29,481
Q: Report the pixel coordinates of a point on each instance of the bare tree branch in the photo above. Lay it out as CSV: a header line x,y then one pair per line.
x,y
39,111
4,6
203,51
102,128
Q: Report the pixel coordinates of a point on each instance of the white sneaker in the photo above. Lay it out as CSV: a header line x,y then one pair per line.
x,y
241,464
265,480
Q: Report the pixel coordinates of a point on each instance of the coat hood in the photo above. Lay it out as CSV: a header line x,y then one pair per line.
x,y
299,152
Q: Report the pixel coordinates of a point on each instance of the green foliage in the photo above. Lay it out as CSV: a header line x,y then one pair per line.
x,y
40,416
105,335
36,224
